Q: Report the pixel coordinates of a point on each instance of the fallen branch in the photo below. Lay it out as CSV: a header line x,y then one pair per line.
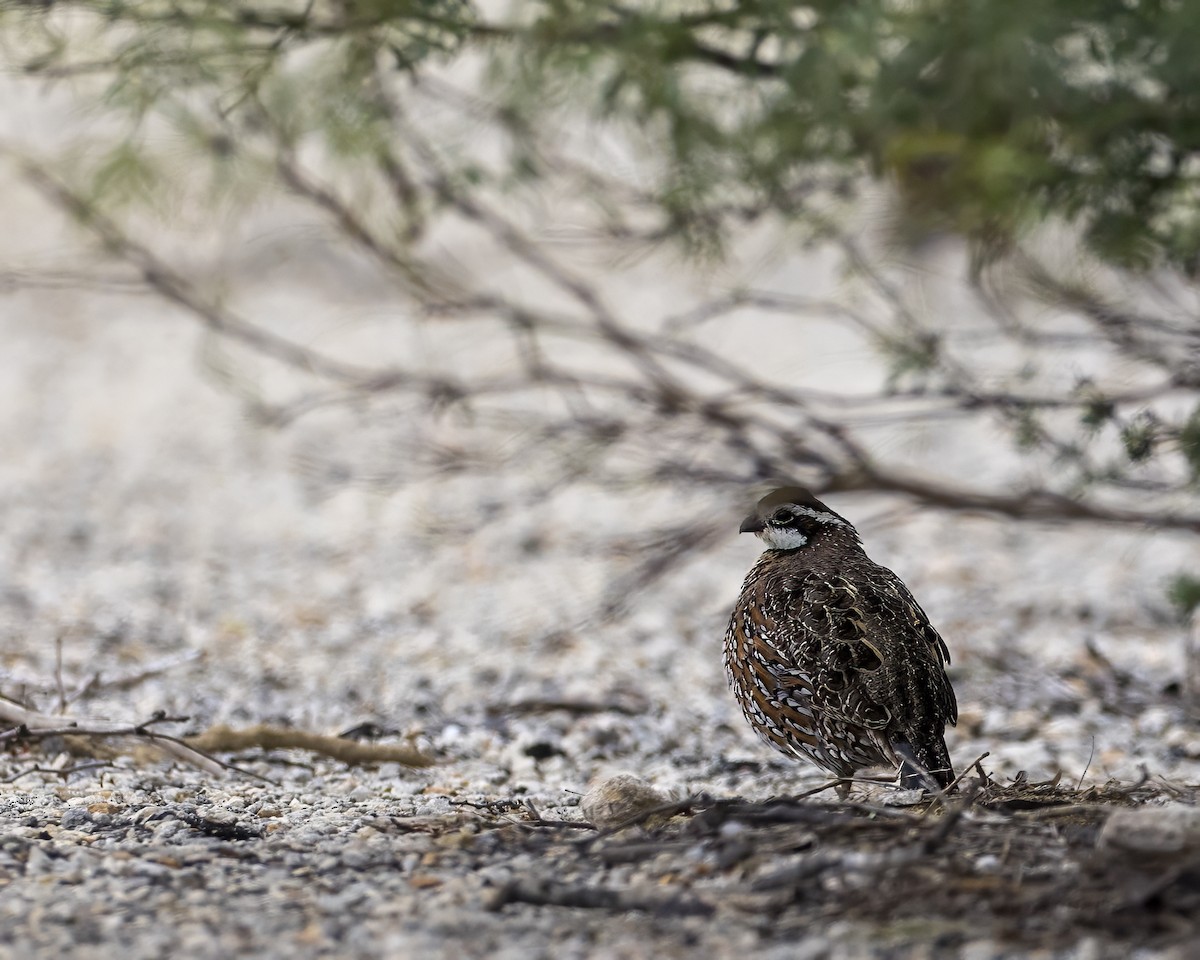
x,y
657,814
629,707
550,893
63,773
223,739
868,860
31,725
197,750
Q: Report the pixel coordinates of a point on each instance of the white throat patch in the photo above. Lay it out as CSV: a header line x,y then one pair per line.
x,y
782,538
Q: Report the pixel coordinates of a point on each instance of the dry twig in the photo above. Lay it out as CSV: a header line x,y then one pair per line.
x,y
549,892
31,725
222,739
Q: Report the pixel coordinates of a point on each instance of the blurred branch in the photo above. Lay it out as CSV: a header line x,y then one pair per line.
x,y
758,125
826,449
1033,504
64,279
175,288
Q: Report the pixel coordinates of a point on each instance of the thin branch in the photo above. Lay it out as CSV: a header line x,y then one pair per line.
x,y
549,891
1035,504
31,725
173,287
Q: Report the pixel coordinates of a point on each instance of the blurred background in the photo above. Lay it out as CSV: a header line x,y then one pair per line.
x,y
413,364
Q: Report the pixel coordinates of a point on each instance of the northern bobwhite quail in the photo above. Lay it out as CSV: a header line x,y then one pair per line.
x,y
829,655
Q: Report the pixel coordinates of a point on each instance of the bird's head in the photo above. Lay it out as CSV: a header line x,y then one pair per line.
x,y
791,518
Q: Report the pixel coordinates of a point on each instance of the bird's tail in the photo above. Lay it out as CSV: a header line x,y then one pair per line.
x,y
928,768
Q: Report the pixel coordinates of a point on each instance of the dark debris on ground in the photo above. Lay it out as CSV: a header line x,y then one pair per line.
x,y
1023,863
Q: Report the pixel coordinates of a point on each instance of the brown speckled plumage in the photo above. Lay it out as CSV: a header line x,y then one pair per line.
x,y
829,655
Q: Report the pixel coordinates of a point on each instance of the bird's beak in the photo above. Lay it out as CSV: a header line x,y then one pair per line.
x,y
752,524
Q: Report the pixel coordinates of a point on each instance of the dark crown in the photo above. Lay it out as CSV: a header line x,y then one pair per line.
x,y
791,506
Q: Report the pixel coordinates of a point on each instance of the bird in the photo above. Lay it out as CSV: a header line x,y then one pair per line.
x,y
830,657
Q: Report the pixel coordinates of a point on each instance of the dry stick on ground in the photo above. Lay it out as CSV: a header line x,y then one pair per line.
x,y
870,860
549,892
62,774
975,765
267,737
661,813
31,725
197,750
1180,791
848,781
761,813
828,785
631,706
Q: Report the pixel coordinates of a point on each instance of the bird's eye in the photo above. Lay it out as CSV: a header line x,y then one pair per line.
x,y
783,516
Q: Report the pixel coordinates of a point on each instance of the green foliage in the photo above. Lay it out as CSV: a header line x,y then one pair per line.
x,y
910,357
126,173
1029,431
1140,436
1189,444
988,117
1096,411
1184,594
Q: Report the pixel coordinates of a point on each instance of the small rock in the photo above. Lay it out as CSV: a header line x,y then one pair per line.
x,y
38,862
619,799
1153,830
76,819
1154,721
167,828
148,812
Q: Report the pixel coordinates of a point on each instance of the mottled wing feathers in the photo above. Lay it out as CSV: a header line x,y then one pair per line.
x,y
796,688
840,666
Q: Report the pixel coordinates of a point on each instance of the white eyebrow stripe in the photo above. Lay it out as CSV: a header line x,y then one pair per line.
x,y
819,516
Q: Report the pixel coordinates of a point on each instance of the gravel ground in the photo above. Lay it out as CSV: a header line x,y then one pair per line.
x,y
160,551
